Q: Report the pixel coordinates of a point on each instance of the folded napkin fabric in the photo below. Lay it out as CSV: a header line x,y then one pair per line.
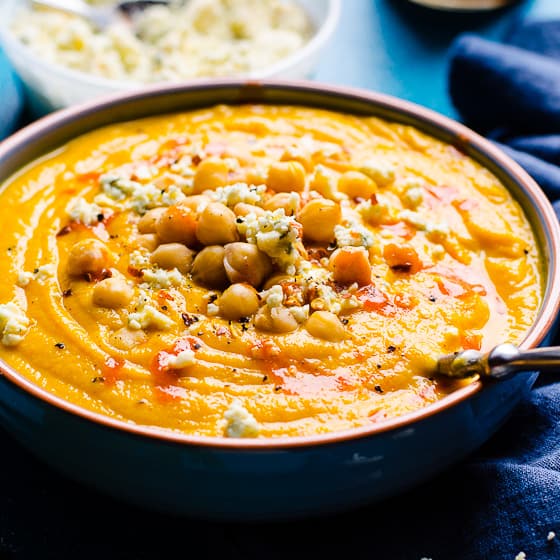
x,y
509,91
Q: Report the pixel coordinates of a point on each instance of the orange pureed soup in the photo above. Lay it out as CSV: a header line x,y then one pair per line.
x,y
258,271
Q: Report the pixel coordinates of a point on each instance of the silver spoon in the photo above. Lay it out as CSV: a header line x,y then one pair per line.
x,y
100,16
501,362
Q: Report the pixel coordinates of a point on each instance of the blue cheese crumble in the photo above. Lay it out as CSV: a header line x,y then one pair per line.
x,y
231,195
83,212
240,422
275,234
14,324
353,236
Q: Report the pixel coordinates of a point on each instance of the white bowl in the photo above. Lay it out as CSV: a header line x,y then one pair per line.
x,y
50,86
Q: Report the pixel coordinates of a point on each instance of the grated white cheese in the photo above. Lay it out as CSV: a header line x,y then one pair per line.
x,y
413,197
275,234
84,212
299,312
274,296
147,315
212,309
240,422
136,196
381,212
354,236
159,278
230,195
14,324
184,359
44,272
139,259
381,171
435,231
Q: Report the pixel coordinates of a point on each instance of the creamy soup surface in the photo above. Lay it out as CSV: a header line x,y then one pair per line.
x,y
258,270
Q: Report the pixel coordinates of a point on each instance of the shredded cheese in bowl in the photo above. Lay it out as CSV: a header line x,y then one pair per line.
x,y
185,39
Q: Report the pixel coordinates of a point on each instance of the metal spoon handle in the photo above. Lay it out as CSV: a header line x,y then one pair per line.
x,y
502,361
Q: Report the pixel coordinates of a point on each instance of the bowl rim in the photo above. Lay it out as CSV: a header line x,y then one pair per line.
x,y
319,38
464,136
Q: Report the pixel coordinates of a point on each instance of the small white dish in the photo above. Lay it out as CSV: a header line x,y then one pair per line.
x,y
52,86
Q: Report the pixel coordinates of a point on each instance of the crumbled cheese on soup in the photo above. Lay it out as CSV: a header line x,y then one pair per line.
x,y
231,195
378,213
148,316
159,278
353,236
184,359
84,212
275,234
437,231
381,171
14,324
198,38
240,422
140,196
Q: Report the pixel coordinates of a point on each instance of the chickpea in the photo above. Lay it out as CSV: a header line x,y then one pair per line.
x,y
286,176
210,174
325,325
239,300
275,319
112,292
292,154
349,265
208,268
356,185
195,202
286,200
277,279
177,224
87,256
244,262
244,209
217,225
318,218
147,223
148,241
173,255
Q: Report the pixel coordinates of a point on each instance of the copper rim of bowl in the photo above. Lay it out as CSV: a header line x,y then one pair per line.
x,y
464,137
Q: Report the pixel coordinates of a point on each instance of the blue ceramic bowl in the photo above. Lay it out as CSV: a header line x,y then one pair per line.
x,y
225,479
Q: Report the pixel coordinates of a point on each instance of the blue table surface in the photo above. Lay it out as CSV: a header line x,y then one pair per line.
x,y
391,46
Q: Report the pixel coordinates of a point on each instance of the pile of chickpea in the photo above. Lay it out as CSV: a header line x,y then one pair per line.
x,y
200,238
